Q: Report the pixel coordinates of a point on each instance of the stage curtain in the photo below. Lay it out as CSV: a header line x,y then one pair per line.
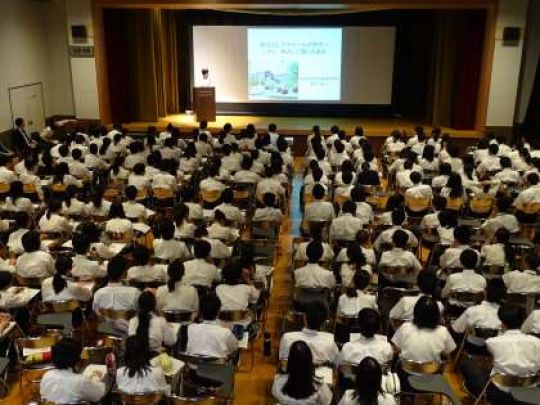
x,y
531,125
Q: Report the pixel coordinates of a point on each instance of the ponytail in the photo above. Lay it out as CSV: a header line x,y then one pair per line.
x,y
58,283
147,305
175,271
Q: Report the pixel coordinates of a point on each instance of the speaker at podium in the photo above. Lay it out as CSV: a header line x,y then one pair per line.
x,y
204,99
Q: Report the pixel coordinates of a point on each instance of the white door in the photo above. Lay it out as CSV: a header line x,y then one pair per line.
x,y
27,102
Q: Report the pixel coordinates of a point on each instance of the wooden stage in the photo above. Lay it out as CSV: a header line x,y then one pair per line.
x,y
300,127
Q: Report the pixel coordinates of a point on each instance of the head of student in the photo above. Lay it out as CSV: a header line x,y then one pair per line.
x,y
369,322
301,381
66,354
201,249
117,211
116,268
136,357
210,307
469,259
511,316
131,192
314,251
318,192
31,242
495,290
398,217
349,207
427,282
81,243
426,314
232,273
316,315
141,255
462,234
400,239
146,307
368,378
6,278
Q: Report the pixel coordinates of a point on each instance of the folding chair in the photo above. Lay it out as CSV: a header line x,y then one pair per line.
x,y
140,399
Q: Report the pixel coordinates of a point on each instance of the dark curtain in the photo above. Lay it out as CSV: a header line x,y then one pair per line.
x,y
531,125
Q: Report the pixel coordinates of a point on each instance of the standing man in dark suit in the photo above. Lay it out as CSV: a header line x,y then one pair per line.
x,y
22,142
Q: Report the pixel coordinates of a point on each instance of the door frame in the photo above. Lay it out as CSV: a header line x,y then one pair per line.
x,y
20,87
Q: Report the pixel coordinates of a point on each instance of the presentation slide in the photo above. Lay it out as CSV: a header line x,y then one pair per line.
x,y
334,65
294,64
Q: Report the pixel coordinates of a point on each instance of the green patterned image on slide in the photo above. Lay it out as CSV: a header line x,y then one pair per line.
x,y
279,82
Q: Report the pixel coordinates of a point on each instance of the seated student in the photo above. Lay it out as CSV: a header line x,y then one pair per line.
x,y
221,231
98,207
153,330
133,209
167,177
199,271
364,211
322,344
403,177
450,257
445,230
465,281
367,176
115,295
246,174
483,315
184,228
344,189
312,275
212,182
52,221
218,249
117,223
385,237
76,167
315,231
495,254
315,177
23,223
529,195
175,295
367,388
16,201
137,375
60,288
404,308
237,291
346,225
268,184
440,181
369,343
143,271
167,248
117,173
98,249
300,386
270,212
10,297
72,204
195,210
418,190
490,163
232,213
319,210
355,298
525,280
507,174
514,353
355,261
361,240
209,338
34,263
63,385
83,267
503,218
92,160
398,256
424,339
138,178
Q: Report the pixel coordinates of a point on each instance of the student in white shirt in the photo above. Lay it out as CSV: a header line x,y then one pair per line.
x,y
495,254
398,256
83,267
507,175
167,248
115,295
270,212
300,386
352,261
427,285
364,211
526,279
269,185
63,385
466,281
72,206
138,376
367,388
484,316
143,271
319,210
246,174
34,263
92,159
232,213
503,218
312,275
212,182
355,298
490,163
151,329
199,271
431,221
529,195
134,210
347,225
514,353
98,207
52,221
237,292
11,298
210,338
322,344
418,190
221,231
423,339
60,288
16,201
175,295
385,237
117,223
315,231
76,167
451,256
23,223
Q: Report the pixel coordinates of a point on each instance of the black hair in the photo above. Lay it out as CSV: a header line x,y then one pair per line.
x,y
175,271
495,290
227,195
131,192
368,381
6,278
269,200
16,190
117,210
232,272
360,281
427,282
369,322
62,265
136,357
398,216
316,315
21,219
349,207
66,353
511,316
314,251
167,229
455,185
301,382
116,268
31,241
426,313
318,192
439,203
53,207
80,243
400,239
210,307
141,255
147,305
201,249
462,234
468,259
415,177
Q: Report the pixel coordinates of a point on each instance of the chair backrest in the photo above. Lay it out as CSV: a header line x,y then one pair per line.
x,y
415,367
468,297
162,193
397,270
507,380
210,196
116,314
60,306
346,320
140,399
196,360
417,204
31,282
233,316
29,188
454,204
59,187
493,270
124,237
484,333
178,316
193,400
4,188
531,208
481,205
40,342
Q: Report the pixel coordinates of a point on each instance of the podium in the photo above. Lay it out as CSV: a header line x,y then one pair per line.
x,y
204,103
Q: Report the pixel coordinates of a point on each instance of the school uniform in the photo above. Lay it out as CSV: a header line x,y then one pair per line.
x,y
267,214
184,231
355,351
10,299
345,227
532,323
56,223
152,380
350,306
20,204
508,175
236,297
102,211
321,396
7,176
450,257
404,308
483,316
300,254
419,191
148,273
319,211
14,242
118,225
423,345
116,296
183,298
385,237
210,339
85,268
159,332
68,387
195,211
525,282
211,184
164,180
493,254
37,264
200,272
223,233
501,220
350,398
232,213
399,257
314,276
322,345
466,281
71,291
170,250
95,162
246,176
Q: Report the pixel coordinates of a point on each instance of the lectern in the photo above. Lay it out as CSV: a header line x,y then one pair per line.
x,y
204,103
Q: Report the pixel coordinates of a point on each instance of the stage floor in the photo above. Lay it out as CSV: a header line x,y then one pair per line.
x,y
375,127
